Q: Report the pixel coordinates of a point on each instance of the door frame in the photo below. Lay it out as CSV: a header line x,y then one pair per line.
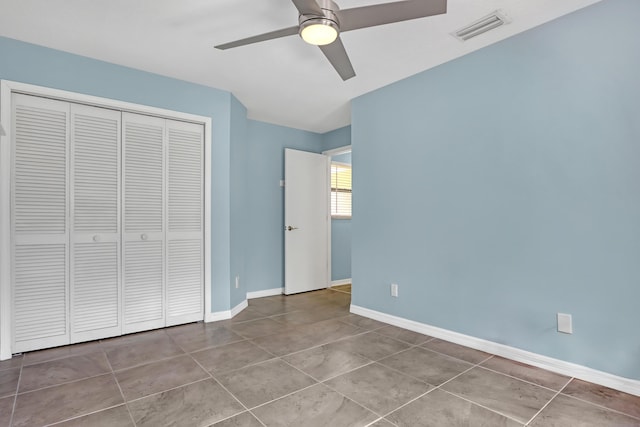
x,y
330,153
7,88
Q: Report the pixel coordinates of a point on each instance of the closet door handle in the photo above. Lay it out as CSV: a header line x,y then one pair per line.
x,y
143,236
96,238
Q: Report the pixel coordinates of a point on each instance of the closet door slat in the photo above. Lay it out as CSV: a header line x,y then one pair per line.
x,y
39,223
143,222
185,264
95,232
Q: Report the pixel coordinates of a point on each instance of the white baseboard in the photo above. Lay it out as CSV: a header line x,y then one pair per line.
x,y
227,314
341,282
265,293
555,365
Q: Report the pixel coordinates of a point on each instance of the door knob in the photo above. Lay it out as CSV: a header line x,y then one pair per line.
x,y
290,228
96,238
143,237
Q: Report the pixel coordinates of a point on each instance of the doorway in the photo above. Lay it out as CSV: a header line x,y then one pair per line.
x,y
340,224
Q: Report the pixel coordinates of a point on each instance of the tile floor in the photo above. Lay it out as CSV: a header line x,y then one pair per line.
x,y
300,360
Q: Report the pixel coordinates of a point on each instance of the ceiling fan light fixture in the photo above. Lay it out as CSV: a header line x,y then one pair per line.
x,y
319,31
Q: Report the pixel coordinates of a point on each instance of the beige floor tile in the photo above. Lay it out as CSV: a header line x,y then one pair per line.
x,y
112,417
326,361
363,322
261,383
200,404
527,372
14,362
9,382
40,356
147,350
272,306
425,365
245,419
229,357
307,336
258,328
458,351
131,339
59,403
372,345
159,376
438,408
317,406
514,398
378,388
248,314
203,337
6,408
604,396
342,288
330,330
405,335
60,371
566,411
289,341
382,423
304,316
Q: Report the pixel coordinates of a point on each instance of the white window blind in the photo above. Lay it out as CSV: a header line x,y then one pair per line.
x,y
340,190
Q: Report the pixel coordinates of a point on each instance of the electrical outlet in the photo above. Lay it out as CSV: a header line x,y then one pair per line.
x,y
565,324
394,289
237,282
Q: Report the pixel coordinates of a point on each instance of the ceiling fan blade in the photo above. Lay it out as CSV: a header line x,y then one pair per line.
x,y
337,55
260,38
307,7
387,13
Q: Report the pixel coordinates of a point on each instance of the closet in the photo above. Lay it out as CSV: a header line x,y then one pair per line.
x,y
106,222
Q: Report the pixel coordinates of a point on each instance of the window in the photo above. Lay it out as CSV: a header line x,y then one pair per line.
x,y
340,190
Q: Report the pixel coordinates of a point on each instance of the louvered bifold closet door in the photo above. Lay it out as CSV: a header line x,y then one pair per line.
x,y
143,222
39,223
185,273
95,223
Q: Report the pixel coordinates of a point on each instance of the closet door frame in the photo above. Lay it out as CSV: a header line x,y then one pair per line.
x,y
7,88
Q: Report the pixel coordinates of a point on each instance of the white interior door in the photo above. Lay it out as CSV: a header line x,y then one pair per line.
x,y
39,223
143,222
306,226
185,263
95,223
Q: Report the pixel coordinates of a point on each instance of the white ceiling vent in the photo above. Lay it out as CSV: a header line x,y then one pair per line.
x,y
482,25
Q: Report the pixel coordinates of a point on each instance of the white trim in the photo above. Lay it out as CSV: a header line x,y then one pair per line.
x,y
207,216
227,314
6,89
265,293
337,151
341,282
5,223
626,385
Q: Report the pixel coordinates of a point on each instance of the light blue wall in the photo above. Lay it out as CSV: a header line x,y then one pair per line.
x,y
336,138
514,192
342,158
239,237
340,249
264,254
38,65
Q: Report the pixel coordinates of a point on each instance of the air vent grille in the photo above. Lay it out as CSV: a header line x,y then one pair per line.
x,y
493,20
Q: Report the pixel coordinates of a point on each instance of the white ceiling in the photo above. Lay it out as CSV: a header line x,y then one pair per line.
x,y
282,81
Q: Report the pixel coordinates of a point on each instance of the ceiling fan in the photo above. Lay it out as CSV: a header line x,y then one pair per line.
x,y
321,21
